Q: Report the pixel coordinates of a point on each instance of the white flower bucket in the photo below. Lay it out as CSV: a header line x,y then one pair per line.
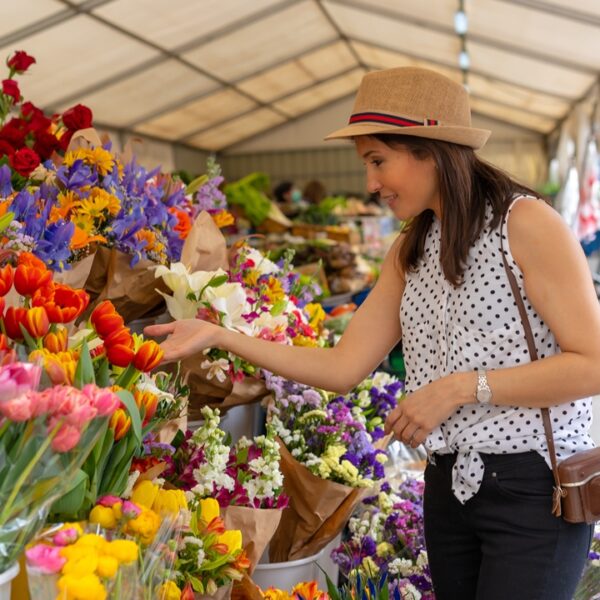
x,y
6,580
285,575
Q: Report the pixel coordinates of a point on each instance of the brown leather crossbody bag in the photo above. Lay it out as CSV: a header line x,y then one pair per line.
x,y
576,479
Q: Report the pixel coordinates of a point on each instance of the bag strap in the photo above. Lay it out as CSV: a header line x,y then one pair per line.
x,y
558,490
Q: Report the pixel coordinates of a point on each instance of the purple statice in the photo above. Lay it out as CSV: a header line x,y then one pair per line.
x,y
209,197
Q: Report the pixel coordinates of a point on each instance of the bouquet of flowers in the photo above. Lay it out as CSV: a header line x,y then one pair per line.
x,y
387,541
332,448
128,550
255,297
27,136
209,556
45,437
244,478
307,590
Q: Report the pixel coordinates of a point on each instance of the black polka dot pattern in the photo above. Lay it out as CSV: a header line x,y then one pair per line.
x,y
477,325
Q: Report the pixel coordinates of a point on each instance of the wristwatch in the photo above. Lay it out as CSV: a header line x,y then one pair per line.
x,y
483,393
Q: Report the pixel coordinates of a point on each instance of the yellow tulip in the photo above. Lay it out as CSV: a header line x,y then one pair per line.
x,y
125,551
88,587
209,509
166,503
144,494
107,566
103,516
232,539
169,591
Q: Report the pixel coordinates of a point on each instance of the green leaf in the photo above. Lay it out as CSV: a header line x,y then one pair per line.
x,y
134,412
6,220
217,280
84,373
278,308
196,184
29,341
103,374
70,504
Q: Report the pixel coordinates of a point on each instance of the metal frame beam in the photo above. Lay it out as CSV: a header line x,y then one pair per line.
x,y
473,37
559,11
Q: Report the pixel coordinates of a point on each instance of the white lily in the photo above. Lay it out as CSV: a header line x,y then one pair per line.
x,y
230,299
179,306
216,368
262,264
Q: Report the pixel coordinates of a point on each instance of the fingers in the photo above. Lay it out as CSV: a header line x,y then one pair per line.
x,y
158,330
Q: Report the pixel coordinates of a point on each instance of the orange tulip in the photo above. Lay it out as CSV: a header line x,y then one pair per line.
x,y
30,260
29,278
63,304
56,341
120,422
148,356
2,304
6,279
147,401
105,319
36,322
3,343
14,317
119,355
59,366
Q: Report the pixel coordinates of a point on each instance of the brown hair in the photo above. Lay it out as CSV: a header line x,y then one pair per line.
x,y
466,184
314,191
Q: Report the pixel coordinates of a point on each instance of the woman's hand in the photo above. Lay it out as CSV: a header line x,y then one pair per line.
x,y
422,411
185,337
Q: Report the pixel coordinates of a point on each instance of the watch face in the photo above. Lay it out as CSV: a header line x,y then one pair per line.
x,y
484,396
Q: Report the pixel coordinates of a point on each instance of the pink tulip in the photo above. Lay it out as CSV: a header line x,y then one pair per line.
x,y
46,558
66,438
17,409
109,501
82,414
105,401
18,378
65,537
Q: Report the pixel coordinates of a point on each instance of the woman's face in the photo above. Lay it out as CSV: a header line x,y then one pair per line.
x,y
408,185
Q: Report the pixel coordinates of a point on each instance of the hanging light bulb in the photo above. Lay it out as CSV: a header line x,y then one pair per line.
x,y
461,23
464,61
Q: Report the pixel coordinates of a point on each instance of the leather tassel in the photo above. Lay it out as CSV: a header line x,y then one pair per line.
x,y
557,496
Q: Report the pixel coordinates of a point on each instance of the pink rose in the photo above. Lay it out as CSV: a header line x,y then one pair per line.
x,y
17,409
130,510
66,438
65,537
18,378
105,401
82,414
46,558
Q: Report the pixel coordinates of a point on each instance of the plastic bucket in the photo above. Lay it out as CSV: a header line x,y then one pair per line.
x,y
6,580
285,575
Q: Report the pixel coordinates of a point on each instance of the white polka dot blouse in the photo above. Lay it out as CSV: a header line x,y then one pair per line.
x,y
477,325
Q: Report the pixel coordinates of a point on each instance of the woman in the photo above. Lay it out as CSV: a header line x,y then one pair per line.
x,y
474,396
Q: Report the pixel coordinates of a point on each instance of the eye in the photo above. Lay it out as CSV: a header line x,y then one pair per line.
x,y
376,162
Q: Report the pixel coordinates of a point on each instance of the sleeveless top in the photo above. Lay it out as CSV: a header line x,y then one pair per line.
x,y
477,325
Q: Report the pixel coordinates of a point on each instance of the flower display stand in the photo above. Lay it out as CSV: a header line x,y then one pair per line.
x,y
6,581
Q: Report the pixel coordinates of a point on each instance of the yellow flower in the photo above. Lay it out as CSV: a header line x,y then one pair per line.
x,y
107,566
304,340
169,502
92,540
316,314
275,594
102,159
82,565
274,291
125,551
223,219
88,587
209,508
144,494
103,516
232,539
384,549
169,591
369,567
97,206
145,525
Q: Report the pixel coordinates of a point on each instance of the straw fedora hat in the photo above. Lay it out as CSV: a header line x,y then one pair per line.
x,y
412,101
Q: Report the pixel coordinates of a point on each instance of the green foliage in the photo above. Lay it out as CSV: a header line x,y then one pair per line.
x,y
250,194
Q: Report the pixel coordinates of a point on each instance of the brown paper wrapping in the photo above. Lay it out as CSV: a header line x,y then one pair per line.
x,y
246,589
257,526
318,510
78,274
205,248
223,593
212,392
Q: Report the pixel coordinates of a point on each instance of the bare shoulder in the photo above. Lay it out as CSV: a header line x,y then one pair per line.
x,y
392,261
535,229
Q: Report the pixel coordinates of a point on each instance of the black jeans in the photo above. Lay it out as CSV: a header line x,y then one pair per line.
x,y
504,543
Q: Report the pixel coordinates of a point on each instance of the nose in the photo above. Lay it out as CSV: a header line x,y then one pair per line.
x,y
373,184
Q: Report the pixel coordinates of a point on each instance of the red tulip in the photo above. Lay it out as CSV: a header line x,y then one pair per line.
x,y
6,279
148,356
119,337
2,304
188,592
13,319
29,278
119,355
105,319
64,304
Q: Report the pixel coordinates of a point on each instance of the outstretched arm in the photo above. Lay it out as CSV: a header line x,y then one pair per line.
x,y
372,333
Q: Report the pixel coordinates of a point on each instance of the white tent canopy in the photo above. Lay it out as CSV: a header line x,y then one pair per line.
x,y
212,73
